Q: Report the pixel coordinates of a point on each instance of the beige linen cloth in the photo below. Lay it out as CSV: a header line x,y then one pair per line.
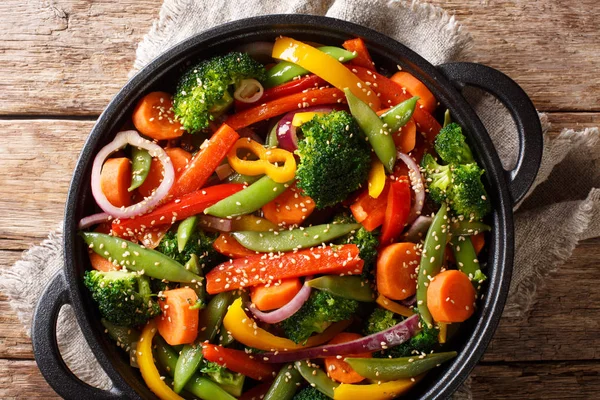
x,y
566,189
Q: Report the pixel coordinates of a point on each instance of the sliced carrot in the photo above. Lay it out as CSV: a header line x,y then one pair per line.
x,y
339,370
178,323
115,179
396,264
416,88
270,297
406,138
179,157
363,58
451,297
228,246
100,263
153,116
204,162
289,208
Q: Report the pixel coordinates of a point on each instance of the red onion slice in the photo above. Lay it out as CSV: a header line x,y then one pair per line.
x,y
223,171
286,133
215,224
286,311
393,336
418,229
121,140
95,219
418,186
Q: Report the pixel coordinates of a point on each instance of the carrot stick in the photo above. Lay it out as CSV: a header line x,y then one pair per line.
x,y
416,88
370,212
179,157
270,297
396,278
254,270
451,297
339,370
153,116
100,263
406,138
178,323
115,180
228,246
363,58
289,208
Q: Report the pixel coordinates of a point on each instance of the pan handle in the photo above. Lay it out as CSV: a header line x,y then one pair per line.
x,y
522,110
45,347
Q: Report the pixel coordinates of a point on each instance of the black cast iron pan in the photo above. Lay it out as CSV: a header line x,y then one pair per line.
x,y
446,81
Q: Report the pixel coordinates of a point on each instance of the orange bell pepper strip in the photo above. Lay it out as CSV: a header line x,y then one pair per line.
x,y
228,246
265,163
363,58
394,307
375,391
370,212
416,88
397,210
325,66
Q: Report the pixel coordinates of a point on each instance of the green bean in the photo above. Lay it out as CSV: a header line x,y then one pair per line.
x,y
466,259
137,258
431,259
140,166
348,287
316,377
123,335
467,228
285,385
185,230
380,139
397,116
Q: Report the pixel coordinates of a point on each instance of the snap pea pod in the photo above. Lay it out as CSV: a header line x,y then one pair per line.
x,y
316,377
431,259
185,230
140,166
272,140
198,385
124,336
288,240
285,385
244,179
391,369
193,265
378,136
466,259
248,200
191,354
137,258
225,339
348,287
285,71
397,116
467,228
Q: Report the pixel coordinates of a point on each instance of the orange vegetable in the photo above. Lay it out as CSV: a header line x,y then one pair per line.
x,y
100,263
416,88
451,297
370,212
178,323
406,138
339,370
363,58
289,208
204,163
396,276
115,180
153,116
151,236
227,245
275,296
394,307
478,244
179,157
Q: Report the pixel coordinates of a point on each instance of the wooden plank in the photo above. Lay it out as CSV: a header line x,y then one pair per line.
x,y
71,57
21,379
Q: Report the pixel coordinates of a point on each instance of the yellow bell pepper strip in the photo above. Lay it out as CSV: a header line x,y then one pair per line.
x,y
301,118
376,179
326,67
443,334
244,330
393,306
252,223
265,163
375,391
148,369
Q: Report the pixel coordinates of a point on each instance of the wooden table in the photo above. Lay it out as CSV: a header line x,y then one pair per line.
x,y
62,61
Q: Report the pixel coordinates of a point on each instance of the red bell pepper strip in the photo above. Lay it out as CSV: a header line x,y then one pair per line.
x,y
363,58
285,104
250,271
257,392
396,212
296,86
370,212
239,361
176,210
204,163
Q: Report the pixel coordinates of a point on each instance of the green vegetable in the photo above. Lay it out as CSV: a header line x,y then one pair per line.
x,y
366,242
334,158
244,179
232,382
248,200
288,240
378,136
202,93
310,393
137,258
140,166
317,314
316,377
380,320
391,369
272,140
199,243
184,231
193,265
123,298
285,385
123,335
447,118
451,146
285,71
431,259
466,259
347,287
438,178
397,116
199,386
468,228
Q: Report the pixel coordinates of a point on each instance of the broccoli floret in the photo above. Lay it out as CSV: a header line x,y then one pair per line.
x,y
451,146
124,298
366,241
199,243
202,93
232,382
334,158
310,393
317,314
466,194
438,178
380,320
